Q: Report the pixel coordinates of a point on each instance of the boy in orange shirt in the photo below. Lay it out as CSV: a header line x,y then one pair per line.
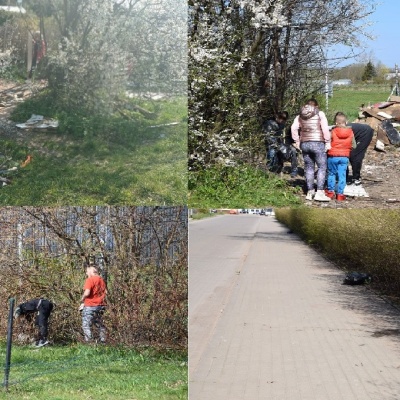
x,y
93,306
342,141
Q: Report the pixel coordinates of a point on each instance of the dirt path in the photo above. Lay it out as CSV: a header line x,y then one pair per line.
x,y
380,178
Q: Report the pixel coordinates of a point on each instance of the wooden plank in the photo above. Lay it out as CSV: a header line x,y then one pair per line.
x,y
373,113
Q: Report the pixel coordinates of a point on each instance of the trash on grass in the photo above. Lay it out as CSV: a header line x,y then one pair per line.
x,y
38,122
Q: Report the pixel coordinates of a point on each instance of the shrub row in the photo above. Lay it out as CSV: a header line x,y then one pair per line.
x,y
356,240
146,305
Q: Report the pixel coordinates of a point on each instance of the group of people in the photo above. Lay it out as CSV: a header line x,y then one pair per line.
x,y
330,150
92,307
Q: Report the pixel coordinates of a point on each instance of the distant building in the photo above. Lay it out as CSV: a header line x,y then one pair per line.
x,y
342,82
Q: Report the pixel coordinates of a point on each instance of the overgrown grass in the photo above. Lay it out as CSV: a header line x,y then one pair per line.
x,y
238,187
348,99
90,372
92,159
363,240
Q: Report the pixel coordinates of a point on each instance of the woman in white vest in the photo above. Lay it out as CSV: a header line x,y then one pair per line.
x,y
310,132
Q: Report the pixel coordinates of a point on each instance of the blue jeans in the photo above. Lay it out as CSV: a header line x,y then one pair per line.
x,y
337,167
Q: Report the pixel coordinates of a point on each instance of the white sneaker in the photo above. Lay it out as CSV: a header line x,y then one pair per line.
x,y
321,196
349,190
360,191
310,194
42,343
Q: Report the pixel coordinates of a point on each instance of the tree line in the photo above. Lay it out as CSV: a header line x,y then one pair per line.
x,y
247,60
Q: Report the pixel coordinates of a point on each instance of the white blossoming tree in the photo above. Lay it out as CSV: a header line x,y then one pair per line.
x,y
99,46
251,58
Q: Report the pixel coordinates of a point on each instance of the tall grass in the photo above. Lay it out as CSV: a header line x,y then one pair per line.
x,y
95,372
364,240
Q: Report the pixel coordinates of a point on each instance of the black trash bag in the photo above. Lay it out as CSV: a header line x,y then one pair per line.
x,y
357,278
284,152
391,132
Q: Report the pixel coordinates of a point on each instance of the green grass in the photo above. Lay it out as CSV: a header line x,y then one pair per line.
x,y
239,187
202,215
90,372
110,161
348,99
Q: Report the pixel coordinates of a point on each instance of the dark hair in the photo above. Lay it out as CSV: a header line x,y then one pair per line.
x,y
312,102
282,115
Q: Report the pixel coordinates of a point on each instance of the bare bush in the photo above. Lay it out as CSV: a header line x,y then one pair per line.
x,y
140,251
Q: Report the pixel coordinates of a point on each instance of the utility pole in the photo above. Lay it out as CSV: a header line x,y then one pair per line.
x,y
396,89
326,90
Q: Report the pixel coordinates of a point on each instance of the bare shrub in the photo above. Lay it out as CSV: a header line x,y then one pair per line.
x,y
141,253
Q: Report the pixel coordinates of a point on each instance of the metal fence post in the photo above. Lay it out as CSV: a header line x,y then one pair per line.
x,y
9,341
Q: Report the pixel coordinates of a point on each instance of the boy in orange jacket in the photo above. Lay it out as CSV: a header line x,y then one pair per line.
x,y
342,142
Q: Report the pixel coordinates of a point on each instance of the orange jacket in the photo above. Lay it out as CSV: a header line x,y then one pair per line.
x,y
341,143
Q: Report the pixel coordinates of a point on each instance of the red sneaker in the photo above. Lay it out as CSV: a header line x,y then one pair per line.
x,y
330,193
340,197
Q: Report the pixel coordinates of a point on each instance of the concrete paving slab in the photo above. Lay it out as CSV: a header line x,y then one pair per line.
x,y
273,321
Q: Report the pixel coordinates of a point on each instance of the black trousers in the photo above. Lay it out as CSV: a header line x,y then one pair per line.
x,y
363,134
42,308
42,318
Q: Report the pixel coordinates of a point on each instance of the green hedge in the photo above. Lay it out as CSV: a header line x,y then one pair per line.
x,y
357,240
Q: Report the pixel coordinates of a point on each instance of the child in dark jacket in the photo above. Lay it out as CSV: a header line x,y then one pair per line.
x,y
42,308
342,142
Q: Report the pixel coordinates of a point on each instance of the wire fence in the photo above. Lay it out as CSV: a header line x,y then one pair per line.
x,y
151,234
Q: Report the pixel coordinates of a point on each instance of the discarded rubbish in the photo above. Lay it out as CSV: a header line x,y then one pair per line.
x,y
169,124
384,118
357,278
38,122
391,132
27,161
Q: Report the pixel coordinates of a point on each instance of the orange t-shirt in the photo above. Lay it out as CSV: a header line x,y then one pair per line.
x,y
97,288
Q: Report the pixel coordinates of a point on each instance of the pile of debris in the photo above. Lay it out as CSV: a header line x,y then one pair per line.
x,y
384,118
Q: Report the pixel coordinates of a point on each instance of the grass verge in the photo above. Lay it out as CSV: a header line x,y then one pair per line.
x,y
241,186
91,160
90,372
356,240
201,214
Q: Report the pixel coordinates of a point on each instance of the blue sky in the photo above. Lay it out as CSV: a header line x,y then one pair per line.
x,y
386,30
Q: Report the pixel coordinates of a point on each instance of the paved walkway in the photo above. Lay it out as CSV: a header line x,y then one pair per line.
x,y
270,319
